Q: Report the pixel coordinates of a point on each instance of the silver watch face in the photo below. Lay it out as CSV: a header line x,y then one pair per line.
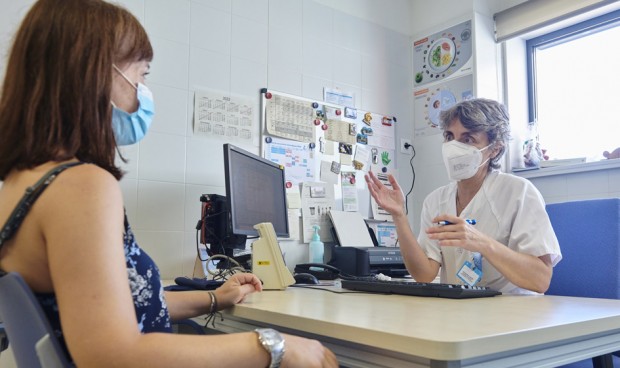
x,y
270,336
273,342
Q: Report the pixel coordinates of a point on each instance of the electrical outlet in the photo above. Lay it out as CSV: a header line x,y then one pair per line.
x,y
405,142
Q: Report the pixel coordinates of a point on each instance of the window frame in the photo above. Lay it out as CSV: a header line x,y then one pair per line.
x,y
590,26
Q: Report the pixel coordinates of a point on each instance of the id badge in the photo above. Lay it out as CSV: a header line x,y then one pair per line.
x,y
469,273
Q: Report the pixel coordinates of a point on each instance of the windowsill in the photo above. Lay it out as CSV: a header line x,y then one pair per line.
x,y
569,169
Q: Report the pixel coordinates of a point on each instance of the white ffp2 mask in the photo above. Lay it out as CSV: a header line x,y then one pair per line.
x,y
462,160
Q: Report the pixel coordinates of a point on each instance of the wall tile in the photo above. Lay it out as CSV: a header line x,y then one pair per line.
x,y
167,19
170,63
224,5
162,158
284,80
286,13
249,40
399,49
166,249
285,49
209,70
129,188
256,10
130,153
318,21
374,40
347,67
317,58
170,110
210,29
312,87
347,31
375,74
189,253
160,206
205,162
247,78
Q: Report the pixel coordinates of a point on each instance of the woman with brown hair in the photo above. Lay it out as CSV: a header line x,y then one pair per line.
x,y
74,90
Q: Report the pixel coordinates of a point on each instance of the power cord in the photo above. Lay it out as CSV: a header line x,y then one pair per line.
x,y
199,227
407,145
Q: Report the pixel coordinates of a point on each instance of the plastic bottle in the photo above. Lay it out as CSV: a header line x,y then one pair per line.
x,y
316,248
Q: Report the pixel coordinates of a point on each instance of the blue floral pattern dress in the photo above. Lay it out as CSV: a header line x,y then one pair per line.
x,y
142,273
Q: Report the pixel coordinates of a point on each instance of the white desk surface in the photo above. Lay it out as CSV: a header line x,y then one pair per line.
x,y
433,328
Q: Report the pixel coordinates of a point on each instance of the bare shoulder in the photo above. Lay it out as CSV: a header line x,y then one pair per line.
x,y
83,184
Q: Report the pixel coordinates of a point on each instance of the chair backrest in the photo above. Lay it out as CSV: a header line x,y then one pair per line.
x,y
32,339
4,341
589,235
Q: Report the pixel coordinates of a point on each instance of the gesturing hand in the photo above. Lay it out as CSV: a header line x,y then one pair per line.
x,y
390,199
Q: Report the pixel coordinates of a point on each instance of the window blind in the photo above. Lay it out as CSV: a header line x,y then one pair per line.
x,y
532,15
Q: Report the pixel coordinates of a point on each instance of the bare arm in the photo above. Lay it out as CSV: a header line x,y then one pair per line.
x,y
420,267
523,270
87,268
188,304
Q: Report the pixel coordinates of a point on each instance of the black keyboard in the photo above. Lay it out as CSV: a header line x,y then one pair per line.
x,y
419,288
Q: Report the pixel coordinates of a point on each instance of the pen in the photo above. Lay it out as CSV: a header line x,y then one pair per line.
x,y
469,221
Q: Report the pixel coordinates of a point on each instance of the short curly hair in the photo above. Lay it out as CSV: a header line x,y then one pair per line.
x,y
482,115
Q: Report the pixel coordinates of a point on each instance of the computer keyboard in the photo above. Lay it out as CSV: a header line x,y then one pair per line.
x,y
451,291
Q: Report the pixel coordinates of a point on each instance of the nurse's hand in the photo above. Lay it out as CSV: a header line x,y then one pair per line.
x,y
458,233
390,199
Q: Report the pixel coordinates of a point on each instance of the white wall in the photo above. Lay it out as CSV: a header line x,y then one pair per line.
x,y
240,46
430,16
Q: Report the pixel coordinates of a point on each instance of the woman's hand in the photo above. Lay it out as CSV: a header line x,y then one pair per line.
x,y
235,289
390,199
302,352
458,233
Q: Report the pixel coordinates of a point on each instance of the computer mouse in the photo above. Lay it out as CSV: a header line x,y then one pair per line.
x,y
305,278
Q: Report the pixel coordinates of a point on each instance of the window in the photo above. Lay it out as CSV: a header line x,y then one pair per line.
x,y
574,88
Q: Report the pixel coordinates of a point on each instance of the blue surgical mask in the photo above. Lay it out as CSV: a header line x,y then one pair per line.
x,y
130,128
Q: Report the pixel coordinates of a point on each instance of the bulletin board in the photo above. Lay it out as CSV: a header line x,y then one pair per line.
x,y
325,149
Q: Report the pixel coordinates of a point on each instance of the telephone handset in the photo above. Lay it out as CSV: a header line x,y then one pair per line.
x,y
320,270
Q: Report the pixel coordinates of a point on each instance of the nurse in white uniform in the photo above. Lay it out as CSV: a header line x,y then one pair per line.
x,y
485,228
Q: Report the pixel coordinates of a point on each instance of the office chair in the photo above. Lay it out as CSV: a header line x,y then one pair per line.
x,y
4,341
32,339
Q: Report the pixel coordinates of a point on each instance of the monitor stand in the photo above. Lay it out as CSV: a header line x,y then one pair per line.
x,y
267,261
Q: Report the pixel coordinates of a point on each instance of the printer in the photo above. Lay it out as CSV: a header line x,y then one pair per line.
x,y
355,251
364,261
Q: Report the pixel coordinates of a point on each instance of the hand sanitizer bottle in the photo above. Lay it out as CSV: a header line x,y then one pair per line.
x,y
316,248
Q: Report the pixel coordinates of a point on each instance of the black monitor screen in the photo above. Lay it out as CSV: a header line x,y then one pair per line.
x,y
255,192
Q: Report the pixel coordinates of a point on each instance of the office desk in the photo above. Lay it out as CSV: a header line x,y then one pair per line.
x,y
371,330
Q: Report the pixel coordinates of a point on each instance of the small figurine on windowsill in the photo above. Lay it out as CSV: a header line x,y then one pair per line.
x,y
614,154
533,153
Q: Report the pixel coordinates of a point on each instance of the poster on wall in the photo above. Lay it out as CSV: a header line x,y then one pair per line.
x,y
290,118
431,100
296,157
223,116
443,54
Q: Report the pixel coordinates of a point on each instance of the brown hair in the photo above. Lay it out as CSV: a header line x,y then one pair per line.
x,y
55,100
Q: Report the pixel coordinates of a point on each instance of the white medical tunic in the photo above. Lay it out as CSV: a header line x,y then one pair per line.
x,y
508,209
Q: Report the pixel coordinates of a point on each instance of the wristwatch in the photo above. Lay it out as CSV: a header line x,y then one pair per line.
x,y
273,342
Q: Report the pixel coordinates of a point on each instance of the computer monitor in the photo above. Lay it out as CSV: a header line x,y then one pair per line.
x,y
255,192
